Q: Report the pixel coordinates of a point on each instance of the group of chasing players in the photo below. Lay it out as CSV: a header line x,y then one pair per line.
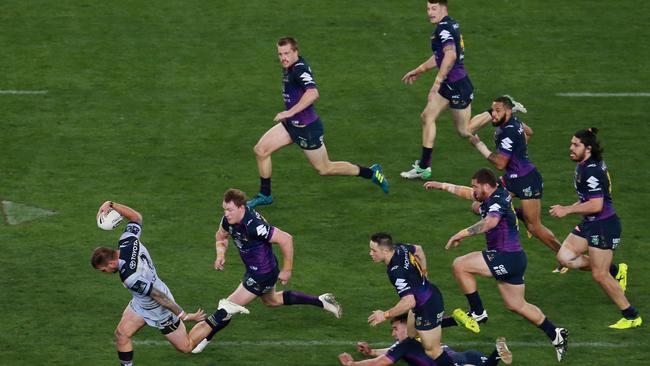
x,y
417,319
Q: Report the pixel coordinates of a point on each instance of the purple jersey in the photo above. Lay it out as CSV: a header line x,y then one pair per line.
x,y
505,236
405,274
592,181
510,141
252,237
411,351
447,32
295,81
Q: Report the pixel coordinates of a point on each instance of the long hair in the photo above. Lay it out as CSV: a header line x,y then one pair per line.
x,y
589,139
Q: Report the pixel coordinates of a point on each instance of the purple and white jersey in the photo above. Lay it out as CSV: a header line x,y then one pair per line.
x,y
136,269
510,141
405,274
411,351
447,32
505,236
592,181
295,81
252,237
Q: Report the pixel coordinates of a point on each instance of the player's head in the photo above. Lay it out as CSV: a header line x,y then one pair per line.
x,y
105,259
436,10
399,327
585,144
501,110
287,51
484,182
381,247
234,205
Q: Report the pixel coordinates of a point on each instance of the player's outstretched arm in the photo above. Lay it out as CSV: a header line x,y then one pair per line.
x,y
486,224
285,241
347,360
405,304
409,77
590,207
460,191
365,349
170,304
124,210
221,246
421,258
499,161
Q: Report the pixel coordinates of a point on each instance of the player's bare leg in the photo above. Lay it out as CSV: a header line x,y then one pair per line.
x,y
180,339
532,217
461,119
274,139
126,328
570,254
477,122
465,268
431,343
600,260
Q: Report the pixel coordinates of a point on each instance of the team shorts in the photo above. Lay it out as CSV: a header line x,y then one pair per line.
x,y
159,317
429,315
528,187
601,234
469,357
459,93
260,283
508,267
308,137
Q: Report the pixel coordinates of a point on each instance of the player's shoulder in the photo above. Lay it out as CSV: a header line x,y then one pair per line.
x,y
129,250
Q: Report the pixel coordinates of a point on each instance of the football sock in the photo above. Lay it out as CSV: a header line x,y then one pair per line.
x,y
216,329
265,186
219,316
448,321
444,360
548,328
493,360
475,303
298,298
613,270
425,159
365,172
126,358
629,313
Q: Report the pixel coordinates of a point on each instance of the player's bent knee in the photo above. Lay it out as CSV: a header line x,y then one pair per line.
x,y
600,276
121,338
260,151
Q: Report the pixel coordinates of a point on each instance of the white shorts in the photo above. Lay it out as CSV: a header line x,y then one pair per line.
x,y
159,317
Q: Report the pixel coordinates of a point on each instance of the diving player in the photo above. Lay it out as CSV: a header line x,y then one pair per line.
x,y
521,178
504,259
599,233
451,88
253,237
300,124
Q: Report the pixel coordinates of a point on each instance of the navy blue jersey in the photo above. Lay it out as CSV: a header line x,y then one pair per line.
x,y
505,236
592,181
405,274
410,351
295,81
448,32
510,141
252,237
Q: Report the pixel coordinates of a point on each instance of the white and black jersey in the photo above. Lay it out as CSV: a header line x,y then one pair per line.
x,y
137,270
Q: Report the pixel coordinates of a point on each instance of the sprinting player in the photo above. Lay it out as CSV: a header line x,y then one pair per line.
x,y
300,124
599,233
521,178
504,259
451,88
152,303
411,351
253,237
406,268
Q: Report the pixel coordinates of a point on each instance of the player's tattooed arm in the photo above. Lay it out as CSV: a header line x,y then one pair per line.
x,y
165,301
476,228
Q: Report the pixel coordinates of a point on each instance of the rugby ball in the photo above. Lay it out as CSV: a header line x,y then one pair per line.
x,y
109,220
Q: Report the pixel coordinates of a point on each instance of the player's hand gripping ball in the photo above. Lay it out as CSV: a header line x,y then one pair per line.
x,y
109,220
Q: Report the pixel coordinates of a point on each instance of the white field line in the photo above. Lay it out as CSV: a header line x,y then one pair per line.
x,y
23,91
323,342
603,95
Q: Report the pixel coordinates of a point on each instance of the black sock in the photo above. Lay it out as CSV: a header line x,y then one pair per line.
x,y
222,324
475,303
425,159
613,270
265,186
298,298
629,313
217,317
126,358
448,321
548,328
493,360
520,214
444,360
365,172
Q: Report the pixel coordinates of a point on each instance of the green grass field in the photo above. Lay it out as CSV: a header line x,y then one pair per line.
x,y
158,105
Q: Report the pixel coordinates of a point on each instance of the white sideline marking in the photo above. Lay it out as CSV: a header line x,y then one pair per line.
x,y
597,95
312,343
23,91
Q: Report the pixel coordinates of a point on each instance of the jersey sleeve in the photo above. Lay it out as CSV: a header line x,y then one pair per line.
x,y
446,35
396,351
303,75
497,208
260,229
594,180
132,229
137,283
505,141
399,278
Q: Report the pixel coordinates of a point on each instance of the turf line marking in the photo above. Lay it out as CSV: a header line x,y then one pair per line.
x,y
28,92
601,95
314,343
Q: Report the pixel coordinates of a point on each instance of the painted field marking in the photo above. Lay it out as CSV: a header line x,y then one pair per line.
x,y
23,91
16,213
603,95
